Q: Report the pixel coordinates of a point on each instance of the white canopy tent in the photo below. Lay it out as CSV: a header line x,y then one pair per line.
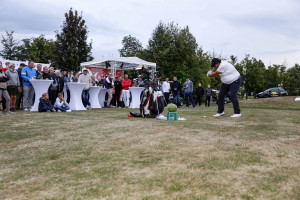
x,y
121,63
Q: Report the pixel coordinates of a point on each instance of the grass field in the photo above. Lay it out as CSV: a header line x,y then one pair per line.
x,y
103,154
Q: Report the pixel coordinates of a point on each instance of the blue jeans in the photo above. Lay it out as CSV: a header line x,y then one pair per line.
x,y
63,109
176,97
85,96
232,89
189,95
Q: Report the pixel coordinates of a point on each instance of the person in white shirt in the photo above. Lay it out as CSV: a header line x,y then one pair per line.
x,y
61,104
231,82
166,90
86,78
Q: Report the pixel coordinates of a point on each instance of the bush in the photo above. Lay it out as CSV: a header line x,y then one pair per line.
x,y
172,107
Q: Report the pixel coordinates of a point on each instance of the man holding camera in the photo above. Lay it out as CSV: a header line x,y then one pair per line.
x,y
231,82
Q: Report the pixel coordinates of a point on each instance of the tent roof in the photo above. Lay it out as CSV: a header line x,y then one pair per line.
x,y
129,63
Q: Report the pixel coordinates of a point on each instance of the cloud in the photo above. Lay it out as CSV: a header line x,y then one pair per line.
x,y
265,29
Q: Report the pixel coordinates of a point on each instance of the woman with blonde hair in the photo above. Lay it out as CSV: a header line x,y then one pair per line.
x,y
12,85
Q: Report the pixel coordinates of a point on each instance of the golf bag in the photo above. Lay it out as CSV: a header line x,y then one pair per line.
x,y
152,102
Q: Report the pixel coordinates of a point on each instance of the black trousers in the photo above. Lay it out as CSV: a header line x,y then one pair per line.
x,y
233,89
167,96
117,97
52,96
207,101
19,100
68,96
199,100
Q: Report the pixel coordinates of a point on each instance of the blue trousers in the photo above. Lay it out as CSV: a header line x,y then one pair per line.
x,y
232,89
63,109
85,96
176,97
189,95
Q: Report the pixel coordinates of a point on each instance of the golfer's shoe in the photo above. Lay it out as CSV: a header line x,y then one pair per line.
x,y
236,115
68,110
219,114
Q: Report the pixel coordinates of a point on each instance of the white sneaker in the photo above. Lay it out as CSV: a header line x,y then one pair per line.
x,y
236,115
58,111
68,110
219,114
88,107
26,109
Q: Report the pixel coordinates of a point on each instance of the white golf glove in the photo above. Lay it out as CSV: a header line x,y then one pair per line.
x,y
208,73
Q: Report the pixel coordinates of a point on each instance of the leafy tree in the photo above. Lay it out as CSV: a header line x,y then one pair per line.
x,y
9,50
131,47
71,47
291,80
38,49
174,50
204,64
272,77
253,75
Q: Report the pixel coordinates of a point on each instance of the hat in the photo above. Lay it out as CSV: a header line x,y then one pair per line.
x,y
57,71
22,65
85,69
215,61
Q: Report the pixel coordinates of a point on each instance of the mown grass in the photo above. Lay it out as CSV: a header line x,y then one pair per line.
x,y
103,154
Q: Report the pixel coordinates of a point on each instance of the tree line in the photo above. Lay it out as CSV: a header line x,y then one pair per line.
x,y
177,53
66,52
171,47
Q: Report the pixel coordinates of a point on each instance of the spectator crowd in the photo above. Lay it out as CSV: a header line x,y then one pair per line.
x,y
17,92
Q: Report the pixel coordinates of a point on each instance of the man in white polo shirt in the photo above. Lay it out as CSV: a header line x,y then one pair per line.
x,y
231,82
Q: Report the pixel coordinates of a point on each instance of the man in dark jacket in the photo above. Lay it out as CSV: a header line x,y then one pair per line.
x,y
39,71
199,93
175,88
46,75
20,89
118,90
56,87
208,94
45,105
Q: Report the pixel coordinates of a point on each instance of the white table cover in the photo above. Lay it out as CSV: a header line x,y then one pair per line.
x,y
94,97
76,93
101,96
40,87
135,96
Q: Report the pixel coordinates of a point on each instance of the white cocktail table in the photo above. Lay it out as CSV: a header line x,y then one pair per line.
x,y
40,87
94,97
135,96
101,96
76,93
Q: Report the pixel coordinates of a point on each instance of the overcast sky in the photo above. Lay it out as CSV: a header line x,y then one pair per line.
x,y
265,29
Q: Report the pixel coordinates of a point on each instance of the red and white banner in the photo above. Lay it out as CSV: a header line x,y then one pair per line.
x,y
98,72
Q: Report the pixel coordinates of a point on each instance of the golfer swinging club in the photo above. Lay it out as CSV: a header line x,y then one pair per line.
x,y
231,82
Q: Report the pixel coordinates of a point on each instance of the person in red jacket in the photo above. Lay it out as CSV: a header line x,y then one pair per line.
x,y
126,83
